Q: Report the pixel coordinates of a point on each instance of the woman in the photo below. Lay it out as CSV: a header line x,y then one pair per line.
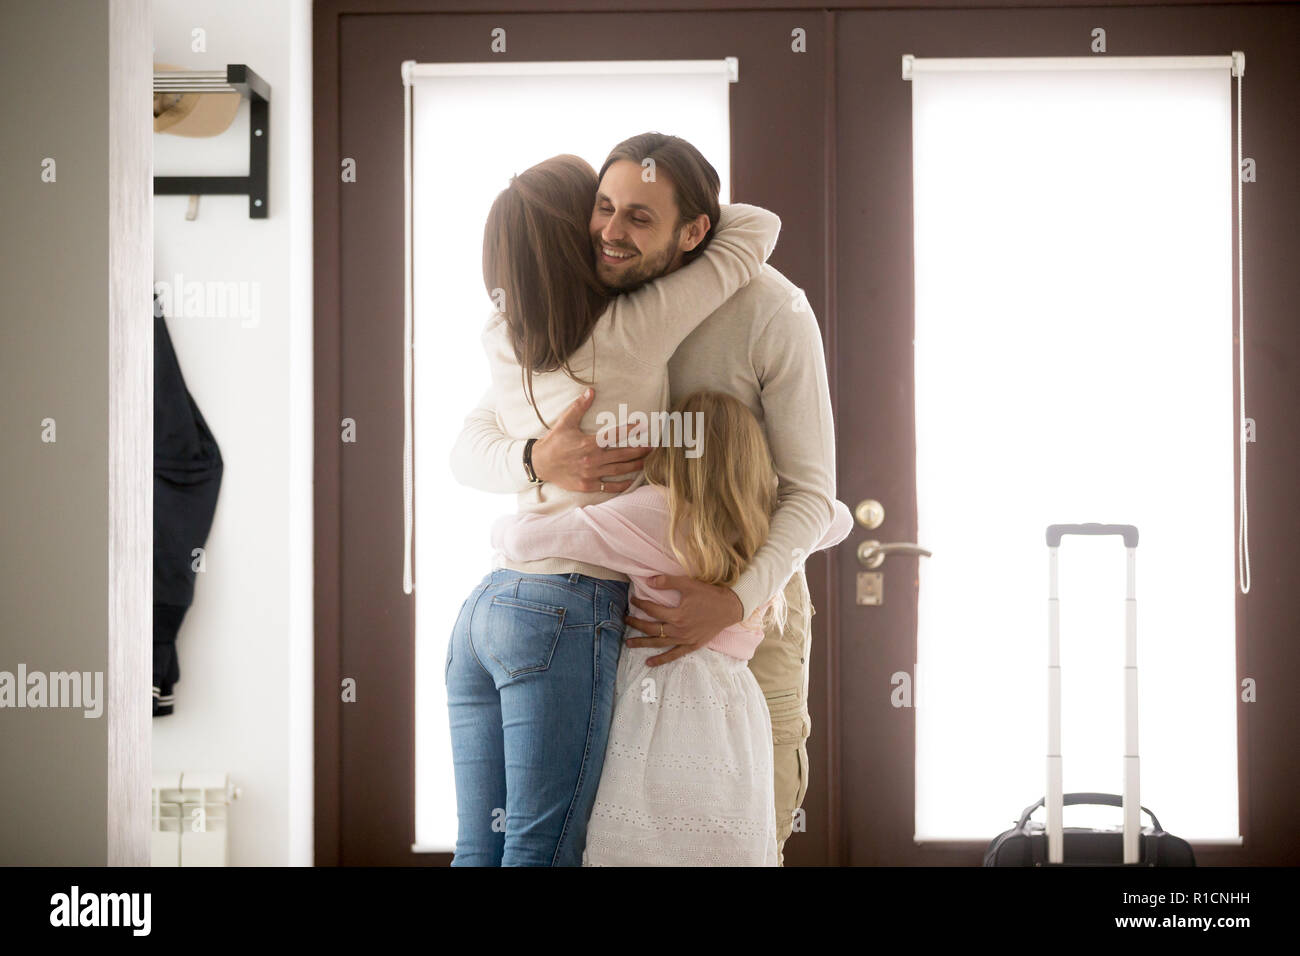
x,y
687,779
533,655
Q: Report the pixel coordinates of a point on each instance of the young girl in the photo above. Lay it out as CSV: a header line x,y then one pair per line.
x,y
687,779
533,654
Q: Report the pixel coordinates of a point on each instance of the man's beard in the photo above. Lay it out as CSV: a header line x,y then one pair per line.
x,y
628,280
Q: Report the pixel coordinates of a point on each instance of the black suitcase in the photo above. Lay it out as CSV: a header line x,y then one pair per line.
x,y
1030,843
1025,844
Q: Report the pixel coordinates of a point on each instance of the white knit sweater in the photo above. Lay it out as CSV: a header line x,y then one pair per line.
x,y
760,343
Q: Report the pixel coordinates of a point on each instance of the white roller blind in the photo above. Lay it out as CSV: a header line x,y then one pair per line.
x,y
473,125
1073,361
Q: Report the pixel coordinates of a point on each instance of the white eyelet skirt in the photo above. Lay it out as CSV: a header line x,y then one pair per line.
x,y
687,779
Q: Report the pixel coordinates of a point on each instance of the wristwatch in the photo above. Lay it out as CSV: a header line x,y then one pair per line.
x,y
528,462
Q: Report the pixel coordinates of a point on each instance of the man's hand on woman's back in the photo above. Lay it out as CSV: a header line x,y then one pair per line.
x,y
575,461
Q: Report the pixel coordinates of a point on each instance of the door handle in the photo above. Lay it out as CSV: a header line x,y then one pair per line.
x,y
872,554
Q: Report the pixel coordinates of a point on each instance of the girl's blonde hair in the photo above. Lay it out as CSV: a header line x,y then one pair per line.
x,y
720,502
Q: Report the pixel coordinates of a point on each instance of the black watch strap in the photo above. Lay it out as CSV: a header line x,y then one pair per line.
x,y
528,462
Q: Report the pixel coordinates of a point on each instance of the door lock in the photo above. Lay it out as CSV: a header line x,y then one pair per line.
x,y
870,513
871,588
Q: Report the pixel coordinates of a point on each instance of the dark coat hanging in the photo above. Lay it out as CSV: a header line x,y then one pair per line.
x,y
187,477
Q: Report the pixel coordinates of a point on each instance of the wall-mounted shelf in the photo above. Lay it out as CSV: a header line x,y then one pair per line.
x,y
237,78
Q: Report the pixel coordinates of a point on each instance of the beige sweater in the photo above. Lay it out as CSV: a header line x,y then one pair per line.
x,y
626,356
762,345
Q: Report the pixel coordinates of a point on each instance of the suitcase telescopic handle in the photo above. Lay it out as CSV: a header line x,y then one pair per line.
x,y
1056,799
1126,531
1089,799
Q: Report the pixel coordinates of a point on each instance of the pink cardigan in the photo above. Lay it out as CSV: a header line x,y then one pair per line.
x,y
629,533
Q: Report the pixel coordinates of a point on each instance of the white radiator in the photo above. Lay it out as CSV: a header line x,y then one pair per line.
x,y
190,817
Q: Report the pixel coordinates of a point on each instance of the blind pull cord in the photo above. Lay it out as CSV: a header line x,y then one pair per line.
x,y
1243,539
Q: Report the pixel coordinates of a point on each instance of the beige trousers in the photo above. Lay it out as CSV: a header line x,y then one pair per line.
x,y
780,665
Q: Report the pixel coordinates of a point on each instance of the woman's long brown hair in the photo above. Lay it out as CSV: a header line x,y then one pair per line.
x,y
538,265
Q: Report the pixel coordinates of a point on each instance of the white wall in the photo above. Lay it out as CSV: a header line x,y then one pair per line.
x,y
244,699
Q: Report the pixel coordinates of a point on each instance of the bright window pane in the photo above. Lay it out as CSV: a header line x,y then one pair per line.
x,y
1074,363
470,134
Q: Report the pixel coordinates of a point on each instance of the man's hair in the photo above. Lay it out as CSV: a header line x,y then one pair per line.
x,y
695,181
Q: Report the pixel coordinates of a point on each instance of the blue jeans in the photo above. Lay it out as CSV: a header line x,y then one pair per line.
x,y
530,690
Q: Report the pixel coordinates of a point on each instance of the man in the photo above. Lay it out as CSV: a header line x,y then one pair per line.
x,y
764,347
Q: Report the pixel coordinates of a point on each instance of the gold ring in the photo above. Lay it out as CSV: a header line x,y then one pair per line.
x,y
661,628
602,486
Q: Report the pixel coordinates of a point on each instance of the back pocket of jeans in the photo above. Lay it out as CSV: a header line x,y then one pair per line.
x,y
521,635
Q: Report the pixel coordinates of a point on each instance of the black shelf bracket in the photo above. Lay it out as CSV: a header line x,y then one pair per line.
x,y
238,79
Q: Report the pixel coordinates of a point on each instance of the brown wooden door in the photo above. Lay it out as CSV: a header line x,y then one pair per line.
x,y
366,622
822,137
872,227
